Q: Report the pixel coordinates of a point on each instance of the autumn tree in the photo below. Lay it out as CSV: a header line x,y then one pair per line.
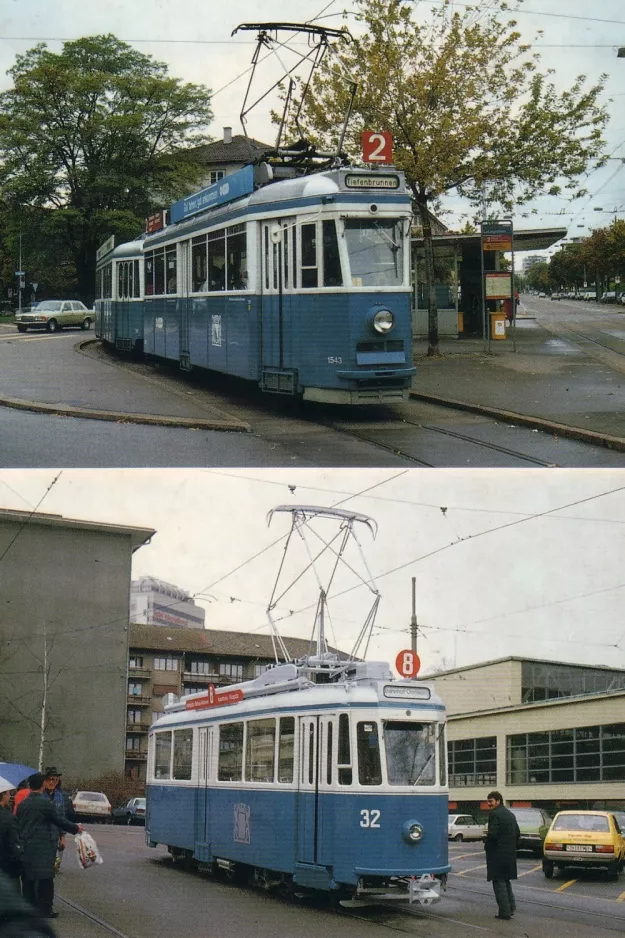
x,y
537,277
90,138
469,110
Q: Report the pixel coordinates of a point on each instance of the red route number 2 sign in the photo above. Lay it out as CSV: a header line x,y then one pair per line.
x,y
377,147
407,663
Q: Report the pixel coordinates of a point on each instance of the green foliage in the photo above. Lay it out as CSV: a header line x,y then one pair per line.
x,y
468,109
537,277
92,138
599,258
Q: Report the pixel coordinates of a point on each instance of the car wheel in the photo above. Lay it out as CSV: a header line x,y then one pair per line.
x,y
548,869
22,328
458,838
52,325
85,324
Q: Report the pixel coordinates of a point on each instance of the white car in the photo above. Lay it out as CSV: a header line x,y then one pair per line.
x,y
92,805
464,827
53,315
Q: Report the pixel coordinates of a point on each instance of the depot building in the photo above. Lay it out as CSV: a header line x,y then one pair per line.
x,y
543,733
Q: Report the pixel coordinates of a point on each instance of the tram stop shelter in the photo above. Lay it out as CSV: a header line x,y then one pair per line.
x,y
458,281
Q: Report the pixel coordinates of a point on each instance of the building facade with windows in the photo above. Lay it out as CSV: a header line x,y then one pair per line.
x,y
177,661
543,733
154,602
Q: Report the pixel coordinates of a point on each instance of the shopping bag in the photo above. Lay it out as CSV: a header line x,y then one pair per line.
x,y
87,849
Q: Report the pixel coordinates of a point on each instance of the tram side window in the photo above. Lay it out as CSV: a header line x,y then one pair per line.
x,y
159,272
162,755
149,274
237,258
217,260
120,280
230,752
369,767
260,750
332,276
105,280
344,754
286,749
199,282
171,281
442,757
310,276
329,755
183,754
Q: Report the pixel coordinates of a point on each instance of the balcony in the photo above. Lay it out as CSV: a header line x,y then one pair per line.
x,y
136,755
139,672
193,678
142,700
137,727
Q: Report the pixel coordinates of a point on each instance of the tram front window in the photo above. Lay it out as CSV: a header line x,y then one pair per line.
x,y
410,752
376,252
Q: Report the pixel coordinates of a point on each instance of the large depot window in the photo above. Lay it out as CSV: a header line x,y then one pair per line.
x,y
376,252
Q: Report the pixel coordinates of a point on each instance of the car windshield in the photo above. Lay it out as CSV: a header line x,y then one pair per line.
x,y
52,306
410,749
527,816
376,252
581,822
91,796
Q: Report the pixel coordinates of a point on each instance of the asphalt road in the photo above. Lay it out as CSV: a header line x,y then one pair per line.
x,y
139,893
278,433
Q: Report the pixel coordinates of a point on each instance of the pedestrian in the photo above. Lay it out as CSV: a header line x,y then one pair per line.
x,y
23,791
17,919
62,803
10,861
39,824
502,836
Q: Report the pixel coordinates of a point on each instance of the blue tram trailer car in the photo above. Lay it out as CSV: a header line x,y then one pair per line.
x,y
119,290
338,786
301,285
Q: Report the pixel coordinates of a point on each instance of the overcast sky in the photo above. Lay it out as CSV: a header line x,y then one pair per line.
x,y
193,38
506,562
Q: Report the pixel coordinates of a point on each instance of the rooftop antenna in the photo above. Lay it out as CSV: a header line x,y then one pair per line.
x,y
346,522
318,41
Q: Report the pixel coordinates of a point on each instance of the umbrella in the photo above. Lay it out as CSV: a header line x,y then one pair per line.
x,y
15,773
5,785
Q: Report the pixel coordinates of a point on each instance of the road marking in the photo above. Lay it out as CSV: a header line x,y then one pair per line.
x,y
482,866
621,898
565,886
22,338
533,870
463,856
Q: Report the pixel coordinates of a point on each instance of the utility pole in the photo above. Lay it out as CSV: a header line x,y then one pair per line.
x,y
413,619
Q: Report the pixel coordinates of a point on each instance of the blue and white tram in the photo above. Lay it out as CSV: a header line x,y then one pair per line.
x,y
301,285
337,786
119,306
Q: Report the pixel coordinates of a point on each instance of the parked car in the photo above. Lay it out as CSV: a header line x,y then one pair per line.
x,y
608,297
586,839
92,805
130,812
533,824
556,296
464,827
541,295
54,315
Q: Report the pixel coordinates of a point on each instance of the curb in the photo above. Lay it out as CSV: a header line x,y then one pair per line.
x,y
536,423
158,420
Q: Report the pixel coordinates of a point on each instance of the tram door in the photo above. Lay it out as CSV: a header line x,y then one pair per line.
x,y
184,305
277,283
205,750
316,747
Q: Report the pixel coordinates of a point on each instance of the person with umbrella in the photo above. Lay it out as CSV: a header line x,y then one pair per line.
x,y
10,854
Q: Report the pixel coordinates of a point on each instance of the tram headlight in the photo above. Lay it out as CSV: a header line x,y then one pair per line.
x,y
383,321
412,832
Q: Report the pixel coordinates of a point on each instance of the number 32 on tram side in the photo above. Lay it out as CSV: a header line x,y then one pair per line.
x,y
301,285
337,786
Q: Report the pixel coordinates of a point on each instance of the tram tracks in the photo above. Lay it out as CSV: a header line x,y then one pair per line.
x,y
86,914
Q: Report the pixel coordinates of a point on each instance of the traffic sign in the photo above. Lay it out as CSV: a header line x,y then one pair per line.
x,y
408,663
34,285
20,273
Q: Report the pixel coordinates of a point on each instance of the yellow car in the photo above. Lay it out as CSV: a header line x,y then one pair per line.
x,y
586,839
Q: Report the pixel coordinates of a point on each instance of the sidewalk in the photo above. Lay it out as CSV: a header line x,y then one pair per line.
x,y
553,381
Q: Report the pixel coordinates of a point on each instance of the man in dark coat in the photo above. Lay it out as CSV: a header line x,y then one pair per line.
x,y
39,824
10,862
501,845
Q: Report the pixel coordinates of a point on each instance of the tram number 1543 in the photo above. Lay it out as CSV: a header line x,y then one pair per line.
x,y
369,818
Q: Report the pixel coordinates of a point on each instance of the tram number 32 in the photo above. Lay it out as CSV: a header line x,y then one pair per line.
x,y
369,818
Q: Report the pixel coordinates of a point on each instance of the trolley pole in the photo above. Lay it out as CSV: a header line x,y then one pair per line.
x,y
413,619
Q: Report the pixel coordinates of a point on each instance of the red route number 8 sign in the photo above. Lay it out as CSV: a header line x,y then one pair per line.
x,y
377,147
407,663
